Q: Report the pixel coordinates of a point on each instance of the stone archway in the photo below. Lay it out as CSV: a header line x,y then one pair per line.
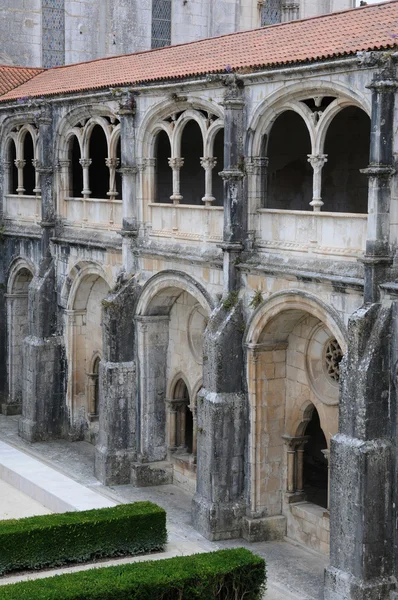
x,y
17,329
290,376
172,316
84,346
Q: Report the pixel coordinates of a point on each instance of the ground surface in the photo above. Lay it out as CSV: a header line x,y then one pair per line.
x,y
293,571
15,505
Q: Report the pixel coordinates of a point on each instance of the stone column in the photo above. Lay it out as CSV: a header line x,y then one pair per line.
x,y
176,165
172,410
112,164
44,365
326,454
219,503
20,163
86,192
233,175
128,164
4,188
317,163
295,463
194,431
37,189
377,259
116,448
153,340
361,463
208,164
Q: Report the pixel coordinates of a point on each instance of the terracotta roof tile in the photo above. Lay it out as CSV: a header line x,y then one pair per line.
x,y
12,77
373,27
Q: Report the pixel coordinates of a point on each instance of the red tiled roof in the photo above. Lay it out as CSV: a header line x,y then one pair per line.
x,y
372,27
12,77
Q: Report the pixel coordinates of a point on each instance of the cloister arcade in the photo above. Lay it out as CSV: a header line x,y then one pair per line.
x,y
167,175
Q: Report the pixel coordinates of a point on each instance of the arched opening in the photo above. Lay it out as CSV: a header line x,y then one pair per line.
x,y
99,172
85,349
293,371
184,420
347,146
218,153
315,464
29,176
163,174
75,168
13,171
118,177
18,329
173,320
290,176
192,173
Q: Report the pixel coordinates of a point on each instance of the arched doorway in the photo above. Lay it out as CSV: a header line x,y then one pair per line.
x,y
315,463
17,329
172,318
84,342
181,420
294,395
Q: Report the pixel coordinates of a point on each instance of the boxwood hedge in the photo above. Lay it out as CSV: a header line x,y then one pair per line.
x,y
224,575
54,540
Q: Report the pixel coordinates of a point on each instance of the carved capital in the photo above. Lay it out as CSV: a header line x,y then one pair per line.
x,y
317,161
112,163
19,163
208,162
85,162
176,163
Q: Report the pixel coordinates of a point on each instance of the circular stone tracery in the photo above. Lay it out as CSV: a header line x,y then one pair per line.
x,y
332,359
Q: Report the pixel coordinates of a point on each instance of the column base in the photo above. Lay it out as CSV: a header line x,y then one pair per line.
x,y
217,521
340,585
14,408
113,468
264,530
148,474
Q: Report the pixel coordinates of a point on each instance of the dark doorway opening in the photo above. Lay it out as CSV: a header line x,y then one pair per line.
x,y
315,471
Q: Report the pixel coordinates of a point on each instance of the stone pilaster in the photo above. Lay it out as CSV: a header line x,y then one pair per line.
x,y
233,175
378,258
44,364
116,447
218,505
361,466
153,340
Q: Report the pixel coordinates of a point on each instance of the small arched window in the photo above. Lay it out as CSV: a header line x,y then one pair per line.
x,y
29,170
13,171
290,176
99,172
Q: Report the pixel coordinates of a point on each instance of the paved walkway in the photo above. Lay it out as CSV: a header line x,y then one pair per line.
x,y
15,505
294,573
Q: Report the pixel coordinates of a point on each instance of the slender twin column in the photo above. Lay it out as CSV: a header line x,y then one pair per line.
x,y
317,162
20,163
208,163
295,463
177,425
176,165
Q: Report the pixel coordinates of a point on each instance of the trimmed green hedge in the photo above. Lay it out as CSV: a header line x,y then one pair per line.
x,y
54,540
225,575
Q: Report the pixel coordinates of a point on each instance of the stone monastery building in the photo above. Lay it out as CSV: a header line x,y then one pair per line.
x,y
57,32
198,274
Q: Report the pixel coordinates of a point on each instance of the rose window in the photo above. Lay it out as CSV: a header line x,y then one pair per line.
x,y
333,356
